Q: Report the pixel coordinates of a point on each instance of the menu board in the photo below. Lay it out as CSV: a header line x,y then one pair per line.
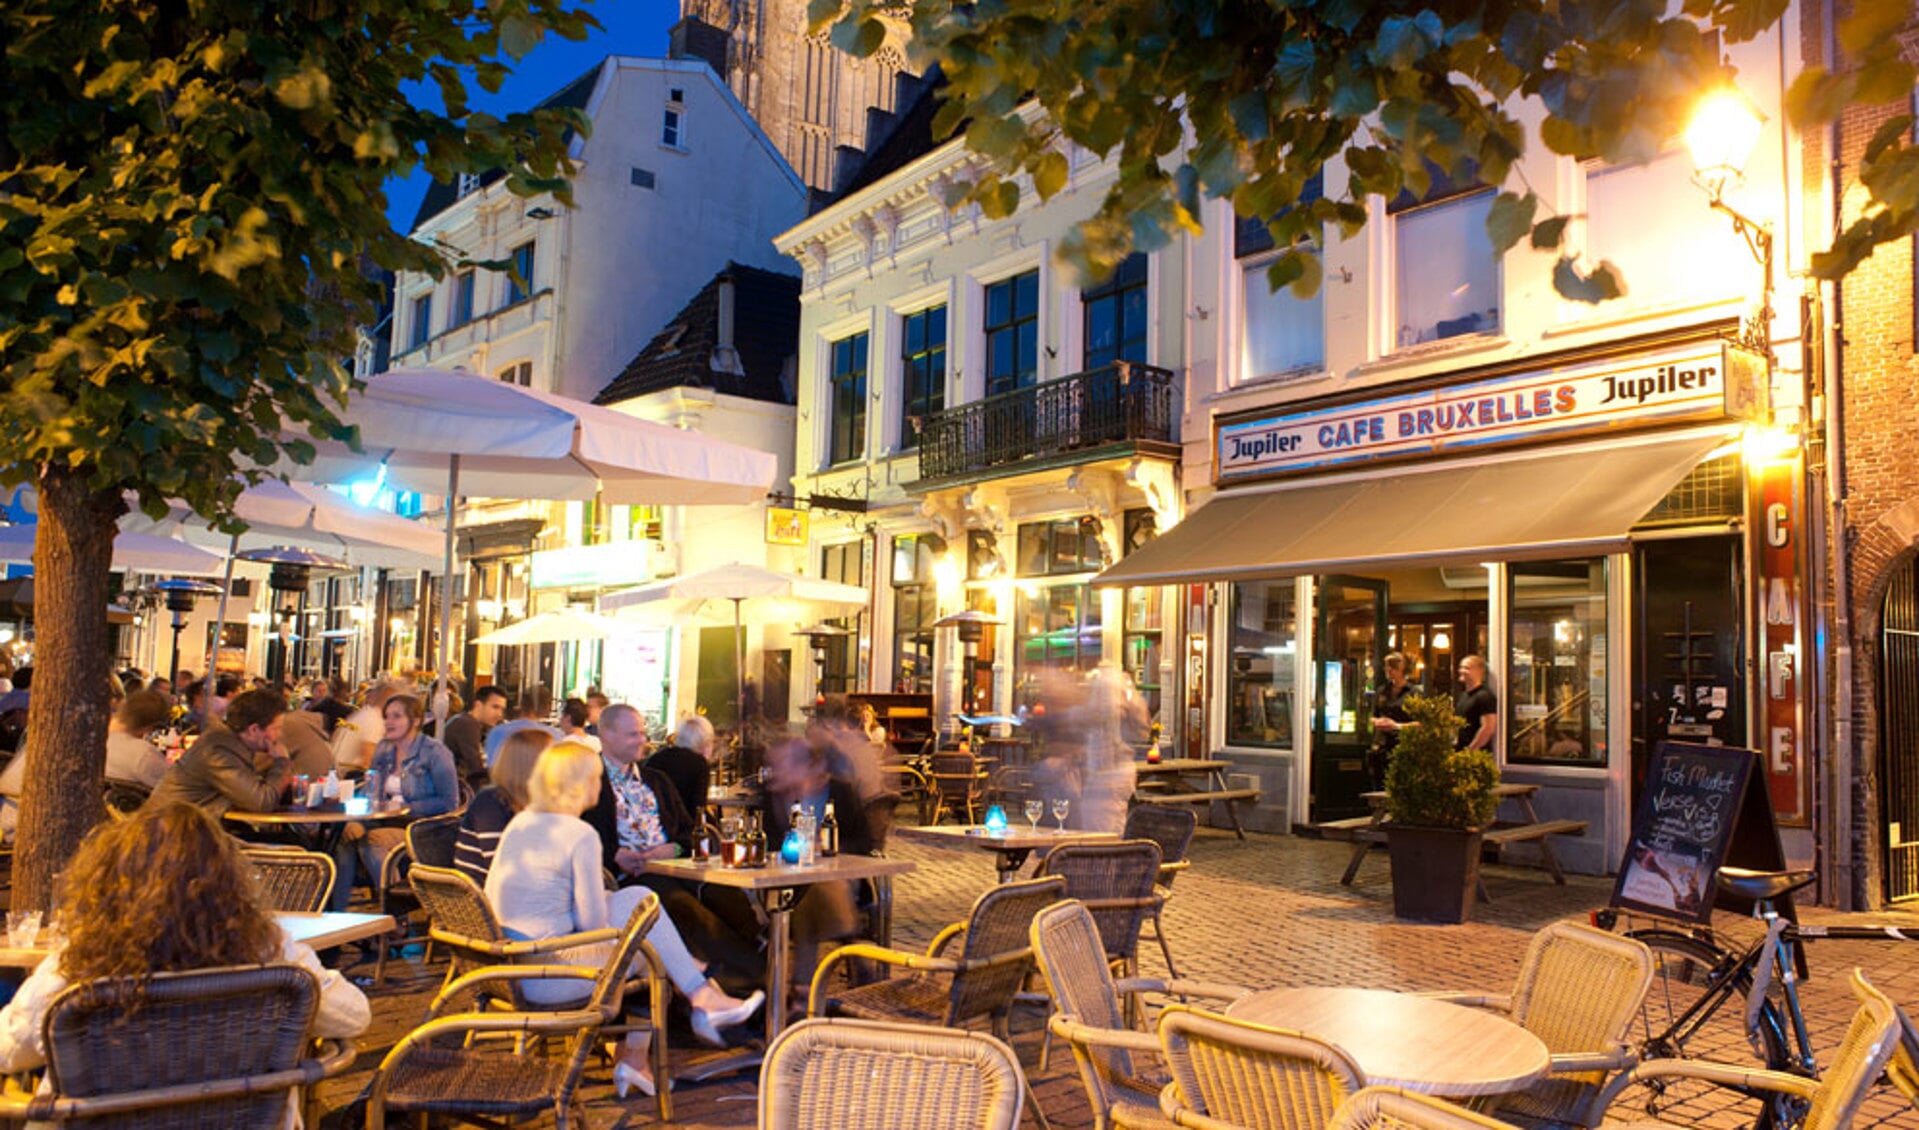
x,y
1680,834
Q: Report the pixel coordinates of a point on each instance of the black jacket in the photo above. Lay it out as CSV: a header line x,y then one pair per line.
x,y
856,835
689,772
675,821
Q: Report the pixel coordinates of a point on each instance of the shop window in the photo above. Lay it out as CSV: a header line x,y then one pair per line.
x,y
1116,315
1259,672
1279,333
982,555
847,439
519,283
915,607
1446,276
840,655
1144,630
922,371
1012,333
1556,701
1656,227
1056,548
1058,631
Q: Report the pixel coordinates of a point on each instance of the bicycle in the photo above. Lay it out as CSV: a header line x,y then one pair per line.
x,y
1696,978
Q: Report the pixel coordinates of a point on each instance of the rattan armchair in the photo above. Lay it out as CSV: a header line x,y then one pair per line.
x,y
1173,830
291,879
1579,991
461,1062
1833,1099
429,840
865,1075
1119,1065
208,1048
958,784
1115,880
1232,1075
1903,1069
1391,1108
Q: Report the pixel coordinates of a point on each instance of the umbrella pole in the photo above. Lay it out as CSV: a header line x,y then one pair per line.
x,y
219,625
739,671
440,703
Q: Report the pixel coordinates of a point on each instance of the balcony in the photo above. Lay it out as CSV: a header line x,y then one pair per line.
x,y
1111,412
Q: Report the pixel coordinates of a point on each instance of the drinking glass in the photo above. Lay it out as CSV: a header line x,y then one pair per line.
x,y
23,926
729,840
1060,807
1035,808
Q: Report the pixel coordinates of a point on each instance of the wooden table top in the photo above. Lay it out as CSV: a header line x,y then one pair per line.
x,y
1181,765
1400,1040
777,875
321,931
1015,838
1502,791
314,816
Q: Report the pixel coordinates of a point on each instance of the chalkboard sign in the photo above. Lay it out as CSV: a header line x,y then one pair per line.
x,y
1687,816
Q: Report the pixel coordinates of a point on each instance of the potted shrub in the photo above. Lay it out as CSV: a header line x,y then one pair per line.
x,y
1437,801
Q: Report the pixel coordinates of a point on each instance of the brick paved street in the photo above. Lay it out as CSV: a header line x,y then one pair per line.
x,y
1264,913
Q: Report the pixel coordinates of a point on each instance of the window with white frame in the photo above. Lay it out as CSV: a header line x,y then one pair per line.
x,y
1116,314
518,374
673,120
422,326
1651,223
462,311
1445,275
922,371
1012,333
1279,333
519,283
846,437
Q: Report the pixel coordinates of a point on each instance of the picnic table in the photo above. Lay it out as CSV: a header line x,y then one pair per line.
x,y
1190,780
1369,830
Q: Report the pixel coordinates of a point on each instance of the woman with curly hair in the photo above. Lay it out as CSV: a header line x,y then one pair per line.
x,y
164,891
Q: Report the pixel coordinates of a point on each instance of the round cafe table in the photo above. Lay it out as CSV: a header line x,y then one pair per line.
x,y
1401,1040
320,827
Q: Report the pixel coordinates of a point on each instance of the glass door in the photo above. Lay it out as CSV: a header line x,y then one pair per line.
x,y
1347,654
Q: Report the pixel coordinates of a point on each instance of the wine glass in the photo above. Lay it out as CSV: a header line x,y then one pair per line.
x,y
1060,807
1035,808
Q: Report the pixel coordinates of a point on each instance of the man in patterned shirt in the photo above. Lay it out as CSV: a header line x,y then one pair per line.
x,y
639,815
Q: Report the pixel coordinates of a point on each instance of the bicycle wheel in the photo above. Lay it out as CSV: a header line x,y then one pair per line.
x,y
1696,1009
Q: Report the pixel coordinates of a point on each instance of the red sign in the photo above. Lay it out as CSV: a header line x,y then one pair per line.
x,y
1779,529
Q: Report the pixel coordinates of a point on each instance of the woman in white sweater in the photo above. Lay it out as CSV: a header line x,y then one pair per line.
x,y
164,891
546,881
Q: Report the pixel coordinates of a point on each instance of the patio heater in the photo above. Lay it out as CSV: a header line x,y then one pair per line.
x,y
818,636
970,626
291,569
180,593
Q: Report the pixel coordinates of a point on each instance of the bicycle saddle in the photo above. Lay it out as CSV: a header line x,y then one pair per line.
x,y
1761,885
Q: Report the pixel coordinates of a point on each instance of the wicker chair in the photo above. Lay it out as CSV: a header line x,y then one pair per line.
x,y
1173,830
1114,879
862,1075
209,1048
1903,1070
958,785
429,840
1579,991
1869,1043
912,787
1232,1075
1390,1108
1118,1064
122,797
291,879
458,1063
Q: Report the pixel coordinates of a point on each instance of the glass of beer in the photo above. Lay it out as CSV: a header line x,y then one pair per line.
x,y
732,851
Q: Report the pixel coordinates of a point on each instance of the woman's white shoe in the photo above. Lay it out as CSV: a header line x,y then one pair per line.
x,y
626,1077
707,1024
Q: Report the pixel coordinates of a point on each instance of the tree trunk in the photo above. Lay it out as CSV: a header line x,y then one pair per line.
x,y
66,742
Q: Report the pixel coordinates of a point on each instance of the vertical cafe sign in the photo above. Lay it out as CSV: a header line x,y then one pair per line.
x,y
1778,532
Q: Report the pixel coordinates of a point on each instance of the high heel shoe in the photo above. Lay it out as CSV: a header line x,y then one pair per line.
x,y
626,1077
707,1024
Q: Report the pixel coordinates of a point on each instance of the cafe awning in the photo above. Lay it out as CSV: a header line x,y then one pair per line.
x,y
1562,503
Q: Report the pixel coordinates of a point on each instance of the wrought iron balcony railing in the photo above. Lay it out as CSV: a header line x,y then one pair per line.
x,y
1052,422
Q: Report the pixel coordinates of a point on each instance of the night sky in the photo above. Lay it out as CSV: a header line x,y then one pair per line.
x,y
628,27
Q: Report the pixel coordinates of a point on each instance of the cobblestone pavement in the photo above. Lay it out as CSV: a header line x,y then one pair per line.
x,y
1267,912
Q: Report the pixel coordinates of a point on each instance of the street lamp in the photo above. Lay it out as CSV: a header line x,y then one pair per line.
x,y
970,626
1720,138
820,637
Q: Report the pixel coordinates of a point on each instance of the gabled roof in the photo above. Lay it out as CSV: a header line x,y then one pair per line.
x,y
766,332
441,195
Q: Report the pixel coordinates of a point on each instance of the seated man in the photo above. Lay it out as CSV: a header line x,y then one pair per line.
x,y
466,733
238,765
303,736
685,761
130,756
639,815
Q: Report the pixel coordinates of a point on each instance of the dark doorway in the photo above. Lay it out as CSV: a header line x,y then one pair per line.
x,y
1348,645
1688,681
776,683
1899,729
718,689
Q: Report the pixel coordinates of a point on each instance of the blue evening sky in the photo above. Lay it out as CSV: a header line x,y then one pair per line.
x,y
627,27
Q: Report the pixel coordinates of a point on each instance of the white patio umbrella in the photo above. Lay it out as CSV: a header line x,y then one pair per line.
x,y
565,625
141,553
434,429
775,598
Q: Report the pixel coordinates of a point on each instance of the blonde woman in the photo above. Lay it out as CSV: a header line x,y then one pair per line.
x,y
546,881
493,807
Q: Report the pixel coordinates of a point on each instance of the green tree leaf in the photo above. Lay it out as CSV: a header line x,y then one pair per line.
x,y
1509,219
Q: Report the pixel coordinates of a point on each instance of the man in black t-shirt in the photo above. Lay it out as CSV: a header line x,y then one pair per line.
x,y
1476,706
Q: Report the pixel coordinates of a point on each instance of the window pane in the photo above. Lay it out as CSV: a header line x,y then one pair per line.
x,y
848,430
1259,677
1283,334
1556,698
1447,277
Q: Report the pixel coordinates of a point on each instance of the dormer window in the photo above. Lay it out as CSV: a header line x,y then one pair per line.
x,y
469,184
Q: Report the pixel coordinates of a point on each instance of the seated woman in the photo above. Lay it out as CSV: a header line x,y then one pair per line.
x,y
546,881
493,807
164,891
412,768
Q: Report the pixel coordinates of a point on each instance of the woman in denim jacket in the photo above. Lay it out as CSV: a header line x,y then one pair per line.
x,y
412,768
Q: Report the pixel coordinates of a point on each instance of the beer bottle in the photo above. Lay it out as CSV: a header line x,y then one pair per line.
x,y
829,833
